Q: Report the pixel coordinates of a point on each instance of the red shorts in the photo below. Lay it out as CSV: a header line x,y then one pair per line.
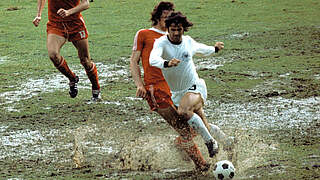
x,y
159,95
72,30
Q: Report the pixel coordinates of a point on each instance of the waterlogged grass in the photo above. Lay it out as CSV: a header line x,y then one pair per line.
x,y
263,89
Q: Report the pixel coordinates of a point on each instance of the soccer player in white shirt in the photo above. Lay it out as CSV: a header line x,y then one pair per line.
x,y
173,55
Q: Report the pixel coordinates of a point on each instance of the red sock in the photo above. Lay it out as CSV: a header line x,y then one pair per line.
x,y
192,150
93,77
64,69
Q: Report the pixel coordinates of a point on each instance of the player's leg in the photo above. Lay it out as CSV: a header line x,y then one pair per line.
x,y
185,140
187,106
159,100
202,115
216,132
193,151
54,44
90,67
171,116
221,137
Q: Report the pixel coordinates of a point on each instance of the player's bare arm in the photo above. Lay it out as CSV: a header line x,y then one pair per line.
x,y
37,19
83,5
136,74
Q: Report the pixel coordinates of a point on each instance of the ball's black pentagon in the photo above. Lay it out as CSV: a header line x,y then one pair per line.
x,y
215,167
220,176
225,166
231,175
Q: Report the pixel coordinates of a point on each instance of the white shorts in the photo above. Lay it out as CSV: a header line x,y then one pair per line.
x,y
198,87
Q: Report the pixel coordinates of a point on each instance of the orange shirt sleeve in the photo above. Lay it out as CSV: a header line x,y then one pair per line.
x,y
138,41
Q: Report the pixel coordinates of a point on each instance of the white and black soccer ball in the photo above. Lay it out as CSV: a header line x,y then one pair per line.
x,y
224,170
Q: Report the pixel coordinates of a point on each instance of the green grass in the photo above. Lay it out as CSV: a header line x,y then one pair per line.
x,y
271,50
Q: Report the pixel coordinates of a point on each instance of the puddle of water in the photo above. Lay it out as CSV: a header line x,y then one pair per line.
x,y
284,75
11,109
271,113
3,128
3,59
23,144
134,98
209,63
21,137
239,35
158,152
51,83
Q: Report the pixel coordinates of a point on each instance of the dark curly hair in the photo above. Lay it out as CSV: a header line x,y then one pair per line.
x,y
158,9
178,18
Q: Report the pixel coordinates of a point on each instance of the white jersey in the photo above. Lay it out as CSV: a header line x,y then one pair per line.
x,y
184,75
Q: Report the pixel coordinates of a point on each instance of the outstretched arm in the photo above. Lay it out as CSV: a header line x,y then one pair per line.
x,y
202,49
37,19
83,5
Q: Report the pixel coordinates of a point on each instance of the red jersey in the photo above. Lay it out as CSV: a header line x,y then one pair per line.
x,y
143,42
55,5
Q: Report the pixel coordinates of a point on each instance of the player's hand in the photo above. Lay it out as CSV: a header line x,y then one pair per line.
x,y
36,21
219,45
173,62
141,92
63,13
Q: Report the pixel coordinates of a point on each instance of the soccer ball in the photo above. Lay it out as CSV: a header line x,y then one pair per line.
x,y
223,170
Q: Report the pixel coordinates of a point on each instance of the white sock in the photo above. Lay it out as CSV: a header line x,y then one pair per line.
x,y
197,124
218,134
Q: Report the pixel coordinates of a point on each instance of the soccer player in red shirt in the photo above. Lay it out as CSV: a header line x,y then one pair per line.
x,y
66,23
155,89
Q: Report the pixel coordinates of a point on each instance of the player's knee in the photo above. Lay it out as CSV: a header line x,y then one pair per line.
x,y
54,57
185,114
86,63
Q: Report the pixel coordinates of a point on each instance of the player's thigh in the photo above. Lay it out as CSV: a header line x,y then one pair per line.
x,y
54,44
82,47
189,103
171,115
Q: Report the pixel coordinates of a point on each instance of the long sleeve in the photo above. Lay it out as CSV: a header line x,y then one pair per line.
x,y
203,49
155,55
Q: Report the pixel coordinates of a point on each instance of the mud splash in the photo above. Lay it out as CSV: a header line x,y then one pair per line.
x,y
148,152
158,152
